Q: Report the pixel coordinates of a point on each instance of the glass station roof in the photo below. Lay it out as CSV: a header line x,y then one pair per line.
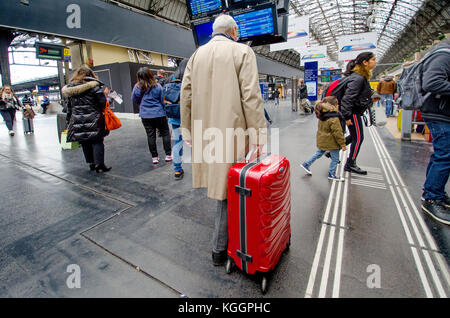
x,y
330,19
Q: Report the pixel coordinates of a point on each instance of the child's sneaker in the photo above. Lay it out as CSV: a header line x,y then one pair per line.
x,y
179,175
169,158
335,177
155,160
306,168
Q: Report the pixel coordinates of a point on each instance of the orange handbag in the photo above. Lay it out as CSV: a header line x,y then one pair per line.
x,y
111,120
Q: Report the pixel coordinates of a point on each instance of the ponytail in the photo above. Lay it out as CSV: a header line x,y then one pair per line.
x,y
365,56
350,66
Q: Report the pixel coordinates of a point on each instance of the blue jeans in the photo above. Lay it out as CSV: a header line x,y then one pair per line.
x,y
8,116
334,159
387,100
177,150
438,168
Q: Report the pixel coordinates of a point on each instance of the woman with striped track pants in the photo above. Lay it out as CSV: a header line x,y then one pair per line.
x,y
354,102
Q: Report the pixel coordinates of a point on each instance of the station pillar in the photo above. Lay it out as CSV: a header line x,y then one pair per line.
x,y
294,93
6,37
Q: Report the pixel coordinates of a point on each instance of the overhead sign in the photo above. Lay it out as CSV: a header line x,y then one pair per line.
x,y
49,51
298,34
350,46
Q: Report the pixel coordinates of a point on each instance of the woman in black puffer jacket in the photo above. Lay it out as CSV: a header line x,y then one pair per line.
x,y
85,116
354,102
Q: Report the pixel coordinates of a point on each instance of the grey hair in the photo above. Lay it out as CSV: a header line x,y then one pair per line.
x,y
223,24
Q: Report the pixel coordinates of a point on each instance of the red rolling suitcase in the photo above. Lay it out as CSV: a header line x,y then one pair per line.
x,y
259,213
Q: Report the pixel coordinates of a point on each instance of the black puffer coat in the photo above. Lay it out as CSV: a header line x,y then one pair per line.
x,y
85,112
357,96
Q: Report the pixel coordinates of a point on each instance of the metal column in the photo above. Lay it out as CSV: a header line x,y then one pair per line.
x,y
5,40
294,94
406,124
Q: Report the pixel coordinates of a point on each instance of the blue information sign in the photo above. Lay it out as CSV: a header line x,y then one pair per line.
x,y
311,79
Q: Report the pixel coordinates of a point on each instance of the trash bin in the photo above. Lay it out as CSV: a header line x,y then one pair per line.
x,y
61,124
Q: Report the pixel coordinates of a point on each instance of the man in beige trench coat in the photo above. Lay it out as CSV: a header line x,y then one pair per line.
x,y
220,97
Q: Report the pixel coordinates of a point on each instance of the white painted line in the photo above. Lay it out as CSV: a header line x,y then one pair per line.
x,y
340,249
315,265
428,236
443,266
422,275
326,267
390,158
370,176
371,169
437,281
382,153
412,221
379,156
370,183
369,186
312,275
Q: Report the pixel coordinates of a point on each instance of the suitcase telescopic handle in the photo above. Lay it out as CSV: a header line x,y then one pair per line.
x,y
251,153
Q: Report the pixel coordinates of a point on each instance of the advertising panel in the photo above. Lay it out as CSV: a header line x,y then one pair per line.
x,y
352,45
298,34
313,54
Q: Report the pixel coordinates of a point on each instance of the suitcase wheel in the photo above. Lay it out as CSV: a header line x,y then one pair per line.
x,y
288,246
264,285
229,266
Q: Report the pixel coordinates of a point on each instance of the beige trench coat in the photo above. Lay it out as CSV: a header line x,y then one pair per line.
x,y
220,92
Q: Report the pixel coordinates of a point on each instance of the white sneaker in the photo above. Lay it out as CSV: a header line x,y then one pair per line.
x,y
11,133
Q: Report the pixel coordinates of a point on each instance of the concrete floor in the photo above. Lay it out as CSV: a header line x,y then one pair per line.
x,y
136,232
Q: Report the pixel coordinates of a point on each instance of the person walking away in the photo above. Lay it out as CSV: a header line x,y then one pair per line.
x,y
161,78
9,103
85,116
26,100
355,100
436,113
386,89
169,90
303,96
147,93
277,96
266,115
330,136
221,98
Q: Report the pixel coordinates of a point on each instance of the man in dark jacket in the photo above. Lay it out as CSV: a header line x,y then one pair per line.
x,y
303,96
436,113
386,88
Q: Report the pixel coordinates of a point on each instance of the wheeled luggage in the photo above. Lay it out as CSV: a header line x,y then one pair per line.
x,y
259,213
28,127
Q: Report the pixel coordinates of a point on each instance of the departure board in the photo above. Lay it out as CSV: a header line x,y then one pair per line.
x,y
255,23
200,7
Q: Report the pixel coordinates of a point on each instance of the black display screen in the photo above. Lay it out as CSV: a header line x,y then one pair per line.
x,y
201,8
256,23
203,32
